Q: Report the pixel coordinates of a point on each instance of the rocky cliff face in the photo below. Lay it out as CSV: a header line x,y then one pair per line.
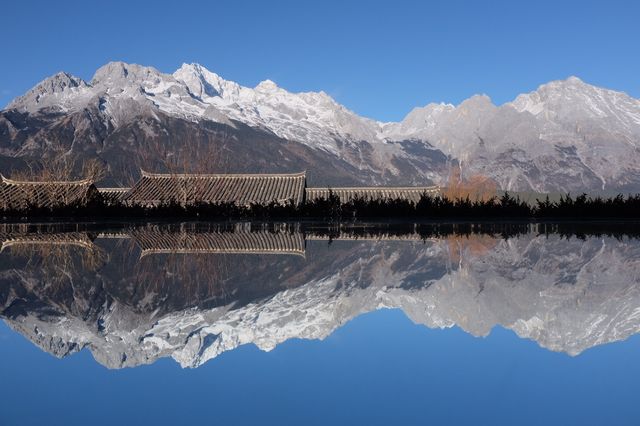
x,y
565,136
567,295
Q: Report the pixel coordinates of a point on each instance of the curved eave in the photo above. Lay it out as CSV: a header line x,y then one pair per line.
x,y
81,182
12,243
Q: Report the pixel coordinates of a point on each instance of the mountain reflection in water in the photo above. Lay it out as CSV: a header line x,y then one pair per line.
x,y
134,294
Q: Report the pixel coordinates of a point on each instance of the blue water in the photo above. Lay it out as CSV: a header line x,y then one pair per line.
x,y
378,369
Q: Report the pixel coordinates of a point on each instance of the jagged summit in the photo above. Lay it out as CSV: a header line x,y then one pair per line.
x,y
60,81
49,92
115,73
204,83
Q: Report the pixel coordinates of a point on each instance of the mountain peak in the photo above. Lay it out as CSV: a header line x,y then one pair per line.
x,y
194,68
118,71
62,76
574,80
571,83
202,82
58,82
477,102
40,95
267,86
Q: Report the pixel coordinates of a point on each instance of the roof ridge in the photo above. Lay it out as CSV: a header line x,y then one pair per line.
x,y
375,188
146,174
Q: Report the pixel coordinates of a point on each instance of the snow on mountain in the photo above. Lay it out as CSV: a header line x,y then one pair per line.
x,y
570,103
314,118
603,126
573,99
194,92
565,136
60,92
564,132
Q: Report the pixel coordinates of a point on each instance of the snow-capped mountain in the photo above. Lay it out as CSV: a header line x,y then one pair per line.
x,y
565,136
566,294
195,93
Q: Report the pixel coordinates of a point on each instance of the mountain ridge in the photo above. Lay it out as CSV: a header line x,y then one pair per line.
x,y
566,135
182,73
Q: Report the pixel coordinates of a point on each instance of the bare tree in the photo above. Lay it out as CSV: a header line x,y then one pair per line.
x,y
55,173
197,155
94,170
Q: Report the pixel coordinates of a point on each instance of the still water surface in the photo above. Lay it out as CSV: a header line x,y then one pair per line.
x,y
293,324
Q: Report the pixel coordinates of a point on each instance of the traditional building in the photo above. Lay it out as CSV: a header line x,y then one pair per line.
x,y
18,194
243,189
346,194
158,241
154,189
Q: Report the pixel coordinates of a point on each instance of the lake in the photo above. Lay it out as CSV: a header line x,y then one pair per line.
x,y
290,323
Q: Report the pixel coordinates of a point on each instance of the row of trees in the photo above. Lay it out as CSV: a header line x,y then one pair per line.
x,y
332,208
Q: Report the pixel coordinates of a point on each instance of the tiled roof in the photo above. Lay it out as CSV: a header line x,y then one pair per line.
x,y
243,189
157,241
22,194
113,195
411,193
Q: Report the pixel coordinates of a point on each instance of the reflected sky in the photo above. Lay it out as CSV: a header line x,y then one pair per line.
x,y
378,369
531,329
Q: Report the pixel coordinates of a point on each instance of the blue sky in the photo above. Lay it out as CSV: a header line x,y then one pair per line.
x,y
380,59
